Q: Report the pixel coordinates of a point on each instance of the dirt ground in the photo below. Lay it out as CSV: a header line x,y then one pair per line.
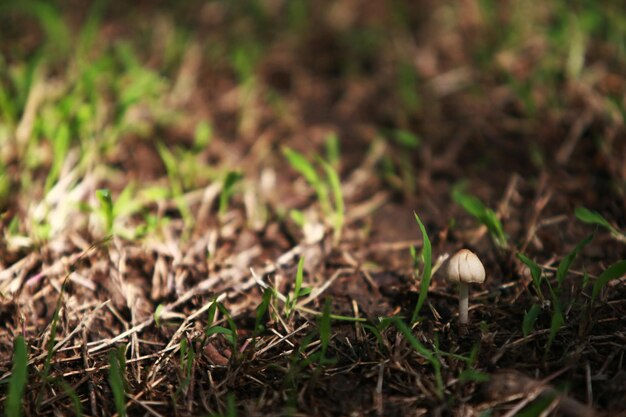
x,y
485,99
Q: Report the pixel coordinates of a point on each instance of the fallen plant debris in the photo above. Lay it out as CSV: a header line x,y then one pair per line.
x,y
242,208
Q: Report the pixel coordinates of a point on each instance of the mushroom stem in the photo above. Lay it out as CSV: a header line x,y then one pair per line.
x,y
463,302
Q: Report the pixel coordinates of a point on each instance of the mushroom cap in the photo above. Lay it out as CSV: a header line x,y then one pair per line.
x,y
465,266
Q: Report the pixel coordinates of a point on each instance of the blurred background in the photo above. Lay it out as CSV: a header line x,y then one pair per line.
x,y
427,93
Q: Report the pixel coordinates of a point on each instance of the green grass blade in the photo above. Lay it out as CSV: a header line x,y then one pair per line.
x,y
469,203
158,311
228,334
211,314
376,332
555,324
299,163
472,375
231,324
483,214
535,271
528,325
51,342
106,208
116,380
231,179
187,357
422,351
60,148
335,186
297,285
406,139
203,134
592,217
71,394
19,377
57,33
173,171
567,261
89,31
615,271
262,310
426,272
333,151
231,405
538,407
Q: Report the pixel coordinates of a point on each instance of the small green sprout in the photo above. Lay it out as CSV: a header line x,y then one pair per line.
x,y
290,304
106,209
261,311
535,272
483,214
530,317
229,333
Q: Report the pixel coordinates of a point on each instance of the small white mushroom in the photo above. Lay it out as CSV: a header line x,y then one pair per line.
x,y
465,267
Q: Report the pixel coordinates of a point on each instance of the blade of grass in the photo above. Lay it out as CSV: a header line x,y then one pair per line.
x,y
230,332
60,148
333,152
89,30
261,310
614,271
203,135
426,272
71,394
51,342
528,325
556,323
422,351
297,286
483,214
106,208
231,324
187,357
535,272
407,139
593,217
232,178
335,186
538,407
231,407
117,380
19,377
567,261
299,163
